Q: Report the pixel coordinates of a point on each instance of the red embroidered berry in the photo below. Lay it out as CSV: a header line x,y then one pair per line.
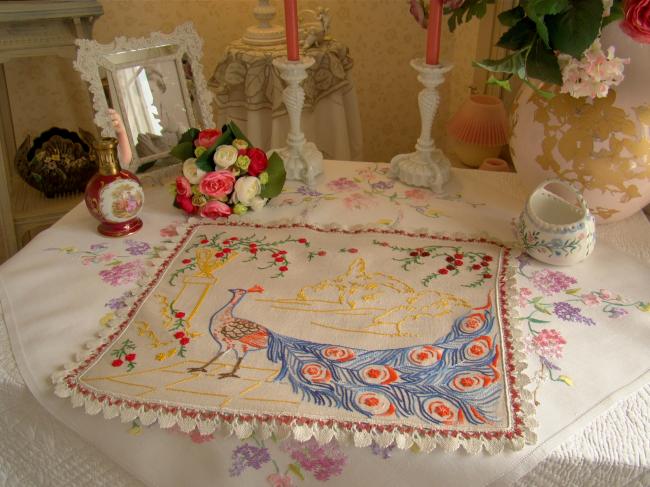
x,y
179,334
219,255
322,253
414,254
458,262
451,267
476,267
487,276
204,241
234,238
443,271
184,341
487,258
252,250
353,251
187,261
274,255
449,259
302,240
484,264
279,259
425,254
458,256
284,268
226,242
116,363
227,250
130,357
180,314
252,244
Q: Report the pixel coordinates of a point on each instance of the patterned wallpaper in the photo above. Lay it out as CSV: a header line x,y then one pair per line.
x,y
381,35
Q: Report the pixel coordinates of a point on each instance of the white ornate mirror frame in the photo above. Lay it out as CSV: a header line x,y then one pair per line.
x,y
104,67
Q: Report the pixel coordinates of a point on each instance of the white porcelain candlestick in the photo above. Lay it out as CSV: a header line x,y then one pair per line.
x,y
302,160
427,166
266,33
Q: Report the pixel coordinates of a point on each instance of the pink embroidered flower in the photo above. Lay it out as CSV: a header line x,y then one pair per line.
x,y
524,296
606,295
215,209
342,184
637,20
123,274
169,230
590,299
416,194
550,282
217,184
183,186
279,480
547,344
324,461
207,138
357,201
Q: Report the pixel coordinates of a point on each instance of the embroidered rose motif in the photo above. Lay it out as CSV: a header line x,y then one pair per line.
x,y
379,374
375,404
339,354
425,356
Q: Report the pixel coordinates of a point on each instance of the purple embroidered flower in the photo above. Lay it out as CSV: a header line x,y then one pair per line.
x,y
324,461
617,312
342,184
550,282
567,312
382,185
98,247
123,274
117,303
547,344
245,456
384,453
134,247
307,191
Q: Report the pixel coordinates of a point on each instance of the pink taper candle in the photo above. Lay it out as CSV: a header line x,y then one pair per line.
x,y
291,29
433,32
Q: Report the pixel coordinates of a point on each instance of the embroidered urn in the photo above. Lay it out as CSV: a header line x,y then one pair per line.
x,y
114,196
553,230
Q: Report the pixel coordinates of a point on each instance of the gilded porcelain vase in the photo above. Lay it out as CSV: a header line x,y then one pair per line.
x,y
600,146
114,196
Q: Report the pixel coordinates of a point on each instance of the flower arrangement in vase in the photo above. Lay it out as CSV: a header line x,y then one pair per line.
x,y
224,174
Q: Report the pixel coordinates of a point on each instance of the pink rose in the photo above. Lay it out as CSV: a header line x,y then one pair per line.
x,y
217,184
259,161
207,138
183,186
185,203
637,20
214,209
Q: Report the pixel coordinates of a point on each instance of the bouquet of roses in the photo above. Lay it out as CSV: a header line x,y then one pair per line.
x,y
224,174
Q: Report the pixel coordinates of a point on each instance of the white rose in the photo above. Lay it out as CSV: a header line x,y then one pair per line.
x,y
192,172
225,156
258,203
246,189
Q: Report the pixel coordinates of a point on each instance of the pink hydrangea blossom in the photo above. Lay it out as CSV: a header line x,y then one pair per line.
x,y
592,75
279,480
590,299
547,344
551,282
524,296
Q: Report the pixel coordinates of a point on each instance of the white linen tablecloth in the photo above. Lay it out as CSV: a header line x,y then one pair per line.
x,y
52,298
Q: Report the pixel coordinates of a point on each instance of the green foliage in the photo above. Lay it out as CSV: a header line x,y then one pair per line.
x,y
574,30
467,11
277,176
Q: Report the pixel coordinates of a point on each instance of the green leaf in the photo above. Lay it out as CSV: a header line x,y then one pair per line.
x,y
145,167
536,10
501,83
295,469
189,135
237,133
513,63
573,291
546,94
466,12
535,320
541,309
182,151
542,64
512,16
277,176
518,36
574,30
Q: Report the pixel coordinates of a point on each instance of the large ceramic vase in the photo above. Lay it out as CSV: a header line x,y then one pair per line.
x,y
600,146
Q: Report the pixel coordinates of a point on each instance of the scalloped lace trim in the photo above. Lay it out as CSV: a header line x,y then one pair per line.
x,y
323,431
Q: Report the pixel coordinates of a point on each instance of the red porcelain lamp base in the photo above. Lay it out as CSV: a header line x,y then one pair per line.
x,y
120,229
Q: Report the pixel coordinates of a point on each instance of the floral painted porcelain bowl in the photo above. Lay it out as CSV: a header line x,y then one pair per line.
x,y
553,230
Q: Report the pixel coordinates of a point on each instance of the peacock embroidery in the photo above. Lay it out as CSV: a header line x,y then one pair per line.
x,y
452,381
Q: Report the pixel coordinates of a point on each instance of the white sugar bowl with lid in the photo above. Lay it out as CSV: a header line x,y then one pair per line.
x,y
554,230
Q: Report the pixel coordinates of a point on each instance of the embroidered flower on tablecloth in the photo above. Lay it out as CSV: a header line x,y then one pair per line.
x,y
383,453
358,201
416,194
550,282
279,480
245,456
324,461
342,184
524,296
135,247
307,191
617,312
547,344
382,185
568,312
123,274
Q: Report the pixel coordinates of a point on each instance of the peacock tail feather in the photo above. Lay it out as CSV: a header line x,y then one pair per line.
x,y
451,381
